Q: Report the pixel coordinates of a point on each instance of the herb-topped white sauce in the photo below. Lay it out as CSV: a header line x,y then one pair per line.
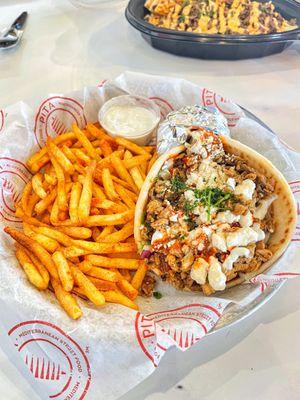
x,y
129,119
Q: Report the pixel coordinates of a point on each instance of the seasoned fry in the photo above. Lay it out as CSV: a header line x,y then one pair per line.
x,y
66,300
109,205
134,148
106,262
64,271
120,235
105,147
43,204
126,287
36,249
39,266
106,231
75,232
99,133
51,180
104,274
84,205
30,270
37,185
54,234
104,248
33,200
90,290
122,171
61,158
123,193
73,251
82,157
134,171
112,296
136,161
103,285
112,219
26,195
108,185
85,266
49,244
69,154
74,201
82,138
61,189
139,276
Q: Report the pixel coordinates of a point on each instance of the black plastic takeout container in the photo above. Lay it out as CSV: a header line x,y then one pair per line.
x,y
218,47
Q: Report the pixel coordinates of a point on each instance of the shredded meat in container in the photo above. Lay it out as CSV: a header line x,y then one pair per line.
x,y
209,217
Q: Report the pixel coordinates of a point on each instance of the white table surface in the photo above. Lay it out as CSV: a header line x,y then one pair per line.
x,y
65,48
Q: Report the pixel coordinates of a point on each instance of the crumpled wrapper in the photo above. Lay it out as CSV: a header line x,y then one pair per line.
x,y
110,350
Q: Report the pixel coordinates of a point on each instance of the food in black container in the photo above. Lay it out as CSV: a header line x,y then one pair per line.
x,y
227,45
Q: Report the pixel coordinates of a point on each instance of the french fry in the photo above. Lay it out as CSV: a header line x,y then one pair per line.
x,y
139,276
125,287
103,285
73,251
106,231
43,152
39,266
90,290
76,232
61,158
61,189
149,149
125,197
43,204
74,201
99,133
105,147
26,195
112,296
134,171
109,185
106,262
82,138
134,148
54,212
33,200
39,164
143,169
120,235
51,180
66,300
30,270
95,233
54,234
122,171
36,249
81,156
109,205
126,274
131,255
69,154
104,248
37,185
49,244
86,194
136,161
64,271
112,219
85,266
104,274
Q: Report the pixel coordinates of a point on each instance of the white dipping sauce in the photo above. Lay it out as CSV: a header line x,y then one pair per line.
x,y
129,120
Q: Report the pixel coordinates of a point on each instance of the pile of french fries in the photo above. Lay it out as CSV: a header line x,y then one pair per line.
x,y
77,213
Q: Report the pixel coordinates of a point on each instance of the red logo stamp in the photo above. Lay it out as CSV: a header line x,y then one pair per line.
x,y
13,176
2,119
231,111
182,326
53,358
164,105
55,116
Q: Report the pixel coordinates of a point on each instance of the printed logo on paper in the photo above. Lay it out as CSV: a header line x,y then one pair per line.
x,y
295,188
164,105
13,176
2,119
182,326
55,116
53,358
231,111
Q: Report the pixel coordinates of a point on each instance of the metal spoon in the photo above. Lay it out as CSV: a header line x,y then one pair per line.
x,y
12,36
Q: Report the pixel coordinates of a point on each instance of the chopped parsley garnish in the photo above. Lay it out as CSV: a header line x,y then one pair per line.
x,y
188,206
185,3
181,18
213,198
177,184
157,295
